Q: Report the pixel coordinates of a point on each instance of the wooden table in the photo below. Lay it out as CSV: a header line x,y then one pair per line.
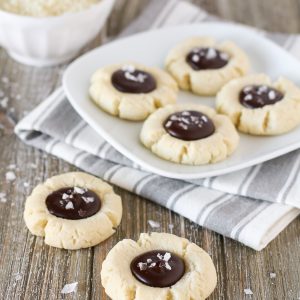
x,y
31,270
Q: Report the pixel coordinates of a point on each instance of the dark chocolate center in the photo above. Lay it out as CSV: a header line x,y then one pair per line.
x,y
207,58
131,80
256,96
158,268
73,203
189,125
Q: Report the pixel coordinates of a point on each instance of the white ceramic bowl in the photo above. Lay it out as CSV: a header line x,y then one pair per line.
x,y
50,41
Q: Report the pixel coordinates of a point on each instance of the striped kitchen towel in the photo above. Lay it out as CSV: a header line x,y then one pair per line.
x,y
251,206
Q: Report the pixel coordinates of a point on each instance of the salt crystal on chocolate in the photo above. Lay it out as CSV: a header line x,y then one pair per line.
x,y
211,53
69,205
79,190
142,266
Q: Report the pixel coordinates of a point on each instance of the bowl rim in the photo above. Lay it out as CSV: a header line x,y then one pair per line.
x,y
36,19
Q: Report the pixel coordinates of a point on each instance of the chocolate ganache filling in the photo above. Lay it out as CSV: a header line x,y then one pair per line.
x,y
158,268
189,125
73,203
130,80
256,96
207,58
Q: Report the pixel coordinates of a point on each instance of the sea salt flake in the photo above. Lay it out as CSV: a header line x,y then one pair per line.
x,y
69,288
195,58
79,190
183,126
69,205
272,95
262,89
18,277
65,196
211,53
10,176
248,292
129,68
248,97
204,118
88,199
149,261
153,224
167,256
272,275
161,257
186,113
142,266
4,102
152,265
168,124
186,121
26,184
168,267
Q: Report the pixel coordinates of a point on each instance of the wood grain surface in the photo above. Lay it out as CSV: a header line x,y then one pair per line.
x,y
30,270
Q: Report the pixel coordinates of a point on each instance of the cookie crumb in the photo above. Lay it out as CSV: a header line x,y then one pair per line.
x,y
272,275
248,292
153,224
10,176
69,288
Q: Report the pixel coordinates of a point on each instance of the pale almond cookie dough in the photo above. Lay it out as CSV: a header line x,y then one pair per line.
x,y
42,8
203,66
198,135
73,211
158,266
132,91
259,107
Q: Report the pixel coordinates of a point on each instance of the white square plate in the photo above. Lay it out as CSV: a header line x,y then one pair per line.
x,y
151,48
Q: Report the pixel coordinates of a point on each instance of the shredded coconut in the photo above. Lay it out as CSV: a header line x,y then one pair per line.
x,y
69,288
42,8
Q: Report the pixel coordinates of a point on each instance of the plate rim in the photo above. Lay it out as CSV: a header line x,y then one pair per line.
x,y
143,165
